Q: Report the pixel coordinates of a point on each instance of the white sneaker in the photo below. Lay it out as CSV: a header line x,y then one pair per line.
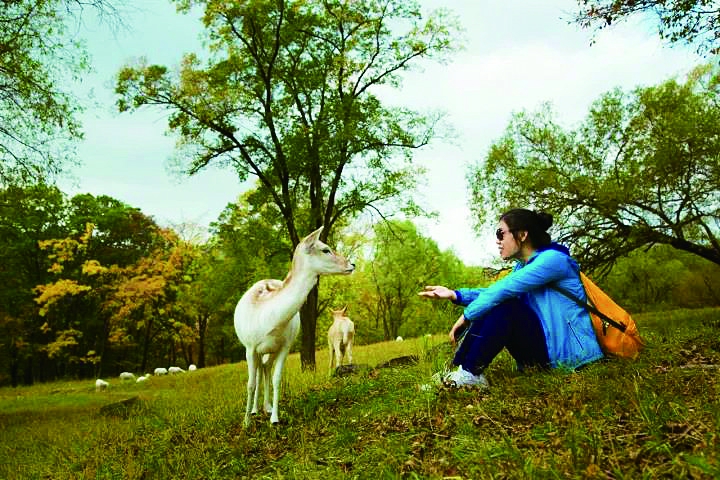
x,y
461,378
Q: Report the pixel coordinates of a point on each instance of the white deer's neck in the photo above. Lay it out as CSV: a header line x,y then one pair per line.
x,y
296,287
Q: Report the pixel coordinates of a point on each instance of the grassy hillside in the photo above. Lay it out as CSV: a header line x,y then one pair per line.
x,y
658,417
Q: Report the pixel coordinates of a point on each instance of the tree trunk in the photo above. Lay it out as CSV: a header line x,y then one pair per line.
x,y
28,378
308,323
173,353
102,347
14,364
385,313
203,321
146,346
187,350
386,327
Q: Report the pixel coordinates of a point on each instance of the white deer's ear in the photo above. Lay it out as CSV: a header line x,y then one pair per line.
x,y
313,237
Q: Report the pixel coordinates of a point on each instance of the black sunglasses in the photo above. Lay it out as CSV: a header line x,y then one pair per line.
x,y
500,233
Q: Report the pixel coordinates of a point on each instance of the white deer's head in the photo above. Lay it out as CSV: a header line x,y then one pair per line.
x,y
313,255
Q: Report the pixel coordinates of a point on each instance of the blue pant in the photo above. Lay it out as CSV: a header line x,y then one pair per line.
x,y
512,325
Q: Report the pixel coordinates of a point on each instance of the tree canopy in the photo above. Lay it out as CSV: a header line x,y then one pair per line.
x,y
642,169
691,21
402,263
38,114
289,94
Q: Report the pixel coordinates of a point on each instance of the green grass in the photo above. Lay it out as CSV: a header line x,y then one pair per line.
x,y
657,417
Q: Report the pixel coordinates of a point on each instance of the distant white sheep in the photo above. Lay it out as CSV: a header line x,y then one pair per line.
x,y
101,385
127,376
160,371
175,370
142,378
399,339
192,367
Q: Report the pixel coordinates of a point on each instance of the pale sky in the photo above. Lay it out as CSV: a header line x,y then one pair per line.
x,y
518,54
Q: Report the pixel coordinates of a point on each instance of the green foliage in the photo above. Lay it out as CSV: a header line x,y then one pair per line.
x,y
38,114
398,261
653,418
287,96
382,300
61,275
642,169
690,21
27,217
663,278
403,263
122,234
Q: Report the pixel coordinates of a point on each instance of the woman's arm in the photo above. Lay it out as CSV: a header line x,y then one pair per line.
x,y
462,296
548,266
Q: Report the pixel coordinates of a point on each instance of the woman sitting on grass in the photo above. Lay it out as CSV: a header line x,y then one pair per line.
x,y
539,326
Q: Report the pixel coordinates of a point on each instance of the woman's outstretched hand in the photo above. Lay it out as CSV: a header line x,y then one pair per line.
x,y
438,292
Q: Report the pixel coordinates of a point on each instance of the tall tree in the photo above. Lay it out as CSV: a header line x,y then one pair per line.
x,y
38,114
122,234
206,297
87,268
144,302
690,21
643,169
403,262
289,94
63,306
27,216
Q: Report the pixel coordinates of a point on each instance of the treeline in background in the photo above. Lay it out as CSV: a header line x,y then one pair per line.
x,y
293,103
94,287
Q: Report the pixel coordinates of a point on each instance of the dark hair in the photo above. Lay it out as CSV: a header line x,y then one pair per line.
x,y
535,223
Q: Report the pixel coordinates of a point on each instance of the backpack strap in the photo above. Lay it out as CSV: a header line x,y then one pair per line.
x,y
586,305
589,307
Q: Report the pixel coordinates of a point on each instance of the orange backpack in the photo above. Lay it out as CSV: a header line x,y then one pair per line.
x,y
615,329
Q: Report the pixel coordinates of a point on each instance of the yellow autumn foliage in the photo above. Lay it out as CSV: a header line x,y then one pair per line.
x,y
65,249
93,267
65,338
53,292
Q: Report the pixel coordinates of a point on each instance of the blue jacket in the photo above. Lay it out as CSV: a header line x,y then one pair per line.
x,y
569,334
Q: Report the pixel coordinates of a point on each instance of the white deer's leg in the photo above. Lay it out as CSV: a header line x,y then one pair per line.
x,y
331,356
348,350
267,369
251,384
277,382
259,381
338,353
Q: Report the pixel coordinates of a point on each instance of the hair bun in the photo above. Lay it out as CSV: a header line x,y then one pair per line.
x,y
545,220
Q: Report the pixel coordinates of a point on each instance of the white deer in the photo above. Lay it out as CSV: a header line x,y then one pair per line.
x,y
267,318
340,337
